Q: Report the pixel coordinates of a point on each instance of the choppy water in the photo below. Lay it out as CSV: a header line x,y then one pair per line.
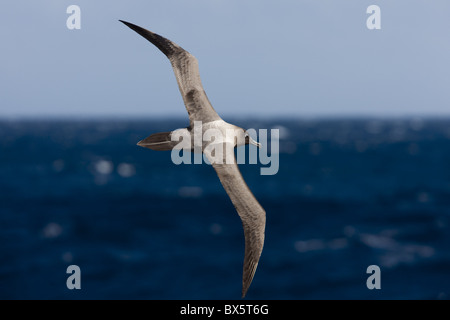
x,y
349,194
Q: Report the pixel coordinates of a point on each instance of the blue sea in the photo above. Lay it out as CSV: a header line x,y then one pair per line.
x,y
349,193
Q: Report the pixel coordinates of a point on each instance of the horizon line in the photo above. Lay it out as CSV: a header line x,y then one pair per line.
x,y
147,117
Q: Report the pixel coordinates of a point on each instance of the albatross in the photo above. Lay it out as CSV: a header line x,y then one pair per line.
x,y
199,108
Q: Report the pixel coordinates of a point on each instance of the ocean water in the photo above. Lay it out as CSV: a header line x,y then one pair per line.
x,y
349,193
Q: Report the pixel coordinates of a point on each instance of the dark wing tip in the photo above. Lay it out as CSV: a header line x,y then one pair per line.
x,y
143,32
163,44
128,24
248,277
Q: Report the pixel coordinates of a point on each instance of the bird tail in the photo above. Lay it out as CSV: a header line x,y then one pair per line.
x,y
160,141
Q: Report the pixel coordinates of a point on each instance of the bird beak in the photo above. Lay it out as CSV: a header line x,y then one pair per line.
x,y
253,142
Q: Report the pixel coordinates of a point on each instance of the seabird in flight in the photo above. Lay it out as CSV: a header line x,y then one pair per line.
x,y
199,108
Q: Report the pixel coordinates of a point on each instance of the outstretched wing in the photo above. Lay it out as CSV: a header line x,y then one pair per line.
x,y
186,70
250,211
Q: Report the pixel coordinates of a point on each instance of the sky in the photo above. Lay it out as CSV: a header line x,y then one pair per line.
x,y
262,58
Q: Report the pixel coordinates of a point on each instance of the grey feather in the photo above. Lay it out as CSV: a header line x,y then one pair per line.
x,y
253,216
185,67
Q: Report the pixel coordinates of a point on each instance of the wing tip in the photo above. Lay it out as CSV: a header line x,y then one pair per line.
x,y
124,22
245,287
134,27
247,277
165,45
